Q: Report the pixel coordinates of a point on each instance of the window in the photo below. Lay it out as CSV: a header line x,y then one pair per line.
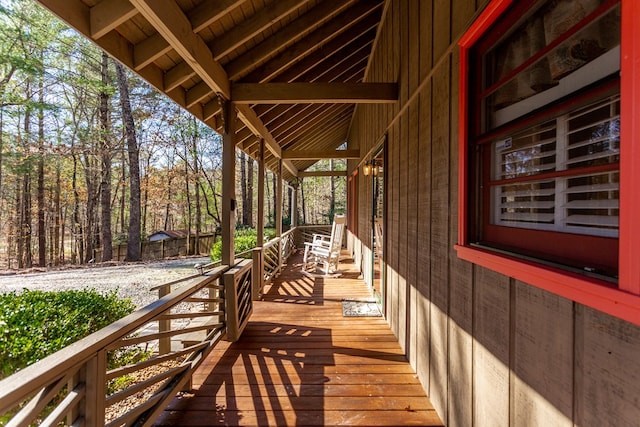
x,y
540,146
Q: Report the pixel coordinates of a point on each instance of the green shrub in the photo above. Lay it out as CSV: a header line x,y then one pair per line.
x,y
35,324
244,240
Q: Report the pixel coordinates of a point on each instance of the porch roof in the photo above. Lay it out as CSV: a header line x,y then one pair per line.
x,y
293,68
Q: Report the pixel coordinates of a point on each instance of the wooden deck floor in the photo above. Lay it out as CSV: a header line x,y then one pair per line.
x,y
300,362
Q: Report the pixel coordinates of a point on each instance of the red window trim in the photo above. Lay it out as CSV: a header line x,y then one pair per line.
x,y
623,301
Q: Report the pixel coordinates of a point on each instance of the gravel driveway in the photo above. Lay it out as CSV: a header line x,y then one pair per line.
x,y
131,280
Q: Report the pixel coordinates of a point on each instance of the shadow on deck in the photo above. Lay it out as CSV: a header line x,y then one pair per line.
x,y
300,362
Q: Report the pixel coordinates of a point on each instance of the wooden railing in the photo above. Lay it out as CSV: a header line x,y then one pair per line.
x,y
151,353
237,287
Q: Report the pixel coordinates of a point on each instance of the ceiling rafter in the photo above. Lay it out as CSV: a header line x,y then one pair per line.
x,y
259,22
202,15
149,50
321,126
314,18
314,47
175,27
109,14
333,67
209,11
177,75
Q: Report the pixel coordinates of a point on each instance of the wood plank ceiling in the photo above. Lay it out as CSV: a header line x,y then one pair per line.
x,y
293,68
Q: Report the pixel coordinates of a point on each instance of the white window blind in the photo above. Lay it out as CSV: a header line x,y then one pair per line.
x,y
578,202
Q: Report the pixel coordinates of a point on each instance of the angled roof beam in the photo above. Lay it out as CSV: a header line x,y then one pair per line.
x,y
314,18
253,122
320,154
108,14
200,17
167,17
301,93
241,33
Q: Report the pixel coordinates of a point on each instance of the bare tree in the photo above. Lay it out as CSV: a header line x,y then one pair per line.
x,y
133,237
105,151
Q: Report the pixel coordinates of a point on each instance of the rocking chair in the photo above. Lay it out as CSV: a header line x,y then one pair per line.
x,y
323,252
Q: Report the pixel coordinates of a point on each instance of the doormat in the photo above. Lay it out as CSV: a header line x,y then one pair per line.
x,y
360,308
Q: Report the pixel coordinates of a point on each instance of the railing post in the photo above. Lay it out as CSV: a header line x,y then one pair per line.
x,y
258,273
164,325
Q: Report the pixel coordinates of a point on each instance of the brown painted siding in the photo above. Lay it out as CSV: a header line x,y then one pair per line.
x,y
489,350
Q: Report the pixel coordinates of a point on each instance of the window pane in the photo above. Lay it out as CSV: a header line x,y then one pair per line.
x,y
521,76
528,153
593,135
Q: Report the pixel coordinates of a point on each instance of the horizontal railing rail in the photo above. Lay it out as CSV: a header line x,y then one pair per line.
x,y
128,372
98,380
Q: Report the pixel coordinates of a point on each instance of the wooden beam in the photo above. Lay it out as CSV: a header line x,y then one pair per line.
x,y
177,75
253,122
228,183
304,174
245,31
301,93
108,14
314,47
167,17
148,50
197,93
317,155
210,109
316,17
210,11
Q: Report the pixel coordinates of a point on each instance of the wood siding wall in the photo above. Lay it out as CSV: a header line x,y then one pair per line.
x,y
489,350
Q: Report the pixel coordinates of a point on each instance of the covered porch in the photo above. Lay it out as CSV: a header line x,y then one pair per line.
x,y
299,361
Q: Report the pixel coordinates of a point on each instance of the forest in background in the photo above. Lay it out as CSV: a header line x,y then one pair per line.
x,y
92,156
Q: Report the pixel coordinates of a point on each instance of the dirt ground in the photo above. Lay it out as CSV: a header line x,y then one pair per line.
x,y
131,280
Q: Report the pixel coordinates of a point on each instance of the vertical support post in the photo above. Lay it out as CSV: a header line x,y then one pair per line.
x,y
279,214
258,274
260,221
92,394
164,344
228,180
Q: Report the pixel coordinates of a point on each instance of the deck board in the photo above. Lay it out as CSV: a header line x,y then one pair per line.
x,y
300,362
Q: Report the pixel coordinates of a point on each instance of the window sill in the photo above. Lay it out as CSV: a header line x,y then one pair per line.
x,y
591,292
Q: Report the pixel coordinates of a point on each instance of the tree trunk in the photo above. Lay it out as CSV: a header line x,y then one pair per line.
x,y
332,199
42,236
105,181
243,186
57,231
249,191
26,190
133,239
196,171
77,251
123,180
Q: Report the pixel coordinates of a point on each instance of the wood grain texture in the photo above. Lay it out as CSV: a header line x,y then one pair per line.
x,y
299,362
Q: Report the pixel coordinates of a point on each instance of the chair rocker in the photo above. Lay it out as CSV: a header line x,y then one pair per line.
x,y
323,252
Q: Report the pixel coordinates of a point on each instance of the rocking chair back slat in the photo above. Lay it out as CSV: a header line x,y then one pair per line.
x,y
324,251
